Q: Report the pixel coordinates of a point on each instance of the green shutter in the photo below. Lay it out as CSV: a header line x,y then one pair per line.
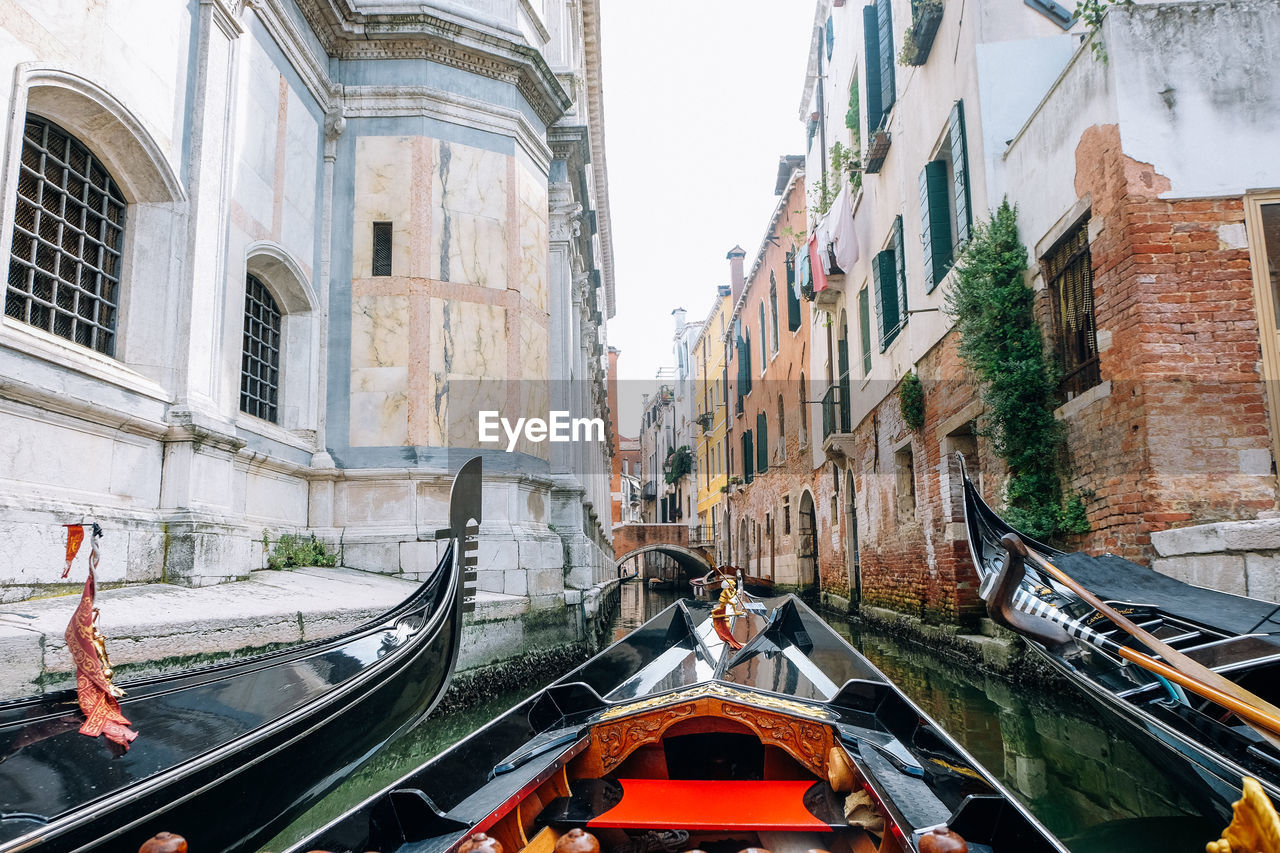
x,y
960,173
793,303
748,458
886,280
871,55
762,443
746,364
876,286
864,329
935,218
888,92
900,268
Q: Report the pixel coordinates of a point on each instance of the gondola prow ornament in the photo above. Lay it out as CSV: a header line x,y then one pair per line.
x,y
98,696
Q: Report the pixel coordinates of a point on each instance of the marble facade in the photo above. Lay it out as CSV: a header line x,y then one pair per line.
x,y
267,139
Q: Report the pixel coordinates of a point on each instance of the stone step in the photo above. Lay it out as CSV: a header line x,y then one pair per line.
x,y
161,627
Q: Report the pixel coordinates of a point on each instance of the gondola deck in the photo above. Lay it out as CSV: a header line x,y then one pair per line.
x,y
675,736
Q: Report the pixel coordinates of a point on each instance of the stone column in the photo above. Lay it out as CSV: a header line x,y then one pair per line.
x,y
201,443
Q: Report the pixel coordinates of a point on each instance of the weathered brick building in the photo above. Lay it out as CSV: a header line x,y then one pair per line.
x,y
1148,246
784,519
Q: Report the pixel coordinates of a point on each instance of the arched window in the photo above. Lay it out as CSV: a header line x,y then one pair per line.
x,y
260,356
68,235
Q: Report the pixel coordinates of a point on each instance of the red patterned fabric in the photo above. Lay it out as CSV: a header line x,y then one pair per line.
x,y
75,535
97,700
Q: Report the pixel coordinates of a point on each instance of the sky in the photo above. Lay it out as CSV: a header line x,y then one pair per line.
x,y
701,98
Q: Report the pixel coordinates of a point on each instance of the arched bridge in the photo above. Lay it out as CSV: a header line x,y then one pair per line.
x,y
695,557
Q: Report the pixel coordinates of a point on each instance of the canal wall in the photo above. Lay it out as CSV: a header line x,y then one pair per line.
x,y
159,628
992,649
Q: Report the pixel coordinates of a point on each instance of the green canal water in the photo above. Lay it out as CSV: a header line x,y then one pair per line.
x,y
1084,780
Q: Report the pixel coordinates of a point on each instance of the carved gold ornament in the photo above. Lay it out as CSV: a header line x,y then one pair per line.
x,y
1254,826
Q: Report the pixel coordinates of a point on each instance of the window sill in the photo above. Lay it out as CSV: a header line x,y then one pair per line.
x,y
301,439
30,341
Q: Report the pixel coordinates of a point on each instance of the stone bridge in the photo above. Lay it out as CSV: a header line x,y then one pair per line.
x,y
631,540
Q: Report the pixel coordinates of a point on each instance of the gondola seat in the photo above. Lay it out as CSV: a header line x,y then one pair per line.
x,y
702,805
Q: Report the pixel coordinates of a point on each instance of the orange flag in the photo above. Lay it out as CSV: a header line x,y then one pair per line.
x,y
97,695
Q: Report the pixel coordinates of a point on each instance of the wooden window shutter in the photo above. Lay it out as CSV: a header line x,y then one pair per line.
x,y
871,55
900,269
864,329
762,443
888,92
935,218
885,272
793,302
960,175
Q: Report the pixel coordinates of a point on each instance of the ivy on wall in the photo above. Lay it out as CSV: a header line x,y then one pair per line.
x,y
1001,342
911,400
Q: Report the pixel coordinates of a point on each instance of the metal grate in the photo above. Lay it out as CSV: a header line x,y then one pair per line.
x,y
382,248
64,268
1069,271
260,361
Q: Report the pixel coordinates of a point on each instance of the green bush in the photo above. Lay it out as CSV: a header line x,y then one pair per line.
x,y
911,400
292,551
1001,342
679,463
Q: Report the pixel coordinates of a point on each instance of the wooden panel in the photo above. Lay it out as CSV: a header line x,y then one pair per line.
x,y
807,741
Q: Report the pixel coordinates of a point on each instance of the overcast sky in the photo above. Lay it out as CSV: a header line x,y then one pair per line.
x,y
701,98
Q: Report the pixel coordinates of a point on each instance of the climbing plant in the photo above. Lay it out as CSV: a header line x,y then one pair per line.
x,y
911,400
679,463
827,187
1091,13
1001,342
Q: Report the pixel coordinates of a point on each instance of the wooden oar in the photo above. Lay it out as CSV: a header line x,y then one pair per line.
x,y
1177,667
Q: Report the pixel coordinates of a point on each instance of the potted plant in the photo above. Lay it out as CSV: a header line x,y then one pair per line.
x,y
917,41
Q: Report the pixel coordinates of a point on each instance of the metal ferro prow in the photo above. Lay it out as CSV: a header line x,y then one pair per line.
x,y
465,515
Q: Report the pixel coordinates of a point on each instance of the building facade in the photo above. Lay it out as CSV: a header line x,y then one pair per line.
x,y
711,417
1144,257
269,261
783,518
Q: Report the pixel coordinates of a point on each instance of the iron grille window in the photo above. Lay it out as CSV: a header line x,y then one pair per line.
x,y
64,268
381,248
1070,273
260,361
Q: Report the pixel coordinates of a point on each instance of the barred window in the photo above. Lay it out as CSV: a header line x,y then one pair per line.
x,y
1069,271
64,268
260,361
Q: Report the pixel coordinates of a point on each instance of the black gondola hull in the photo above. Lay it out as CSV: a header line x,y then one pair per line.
x,y
1207,758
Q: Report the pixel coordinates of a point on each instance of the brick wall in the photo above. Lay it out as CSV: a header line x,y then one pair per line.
x,y
916,559
1182,437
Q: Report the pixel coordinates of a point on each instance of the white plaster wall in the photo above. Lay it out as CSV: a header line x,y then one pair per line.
x,y
1198,92
1040,166
917,123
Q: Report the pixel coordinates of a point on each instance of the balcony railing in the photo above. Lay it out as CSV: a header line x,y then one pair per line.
x,y
702,535
835,411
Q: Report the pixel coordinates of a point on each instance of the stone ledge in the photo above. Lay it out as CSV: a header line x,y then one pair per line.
x,y
1239,557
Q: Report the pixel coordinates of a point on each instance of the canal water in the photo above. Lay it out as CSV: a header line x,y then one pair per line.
x,y
1084,780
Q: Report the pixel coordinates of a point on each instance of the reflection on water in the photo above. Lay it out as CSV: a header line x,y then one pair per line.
x,y
1081,778
438,733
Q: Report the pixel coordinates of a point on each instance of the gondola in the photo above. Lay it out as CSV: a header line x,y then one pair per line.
x,y
1201,744
675,739
710,583
231,753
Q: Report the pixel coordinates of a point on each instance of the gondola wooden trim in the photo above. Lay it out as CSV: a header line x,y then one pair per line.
x,y
805,740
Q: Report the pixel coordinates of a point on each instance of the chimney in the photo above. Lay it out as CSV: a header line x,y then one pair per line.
x,y
679,314
736,279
